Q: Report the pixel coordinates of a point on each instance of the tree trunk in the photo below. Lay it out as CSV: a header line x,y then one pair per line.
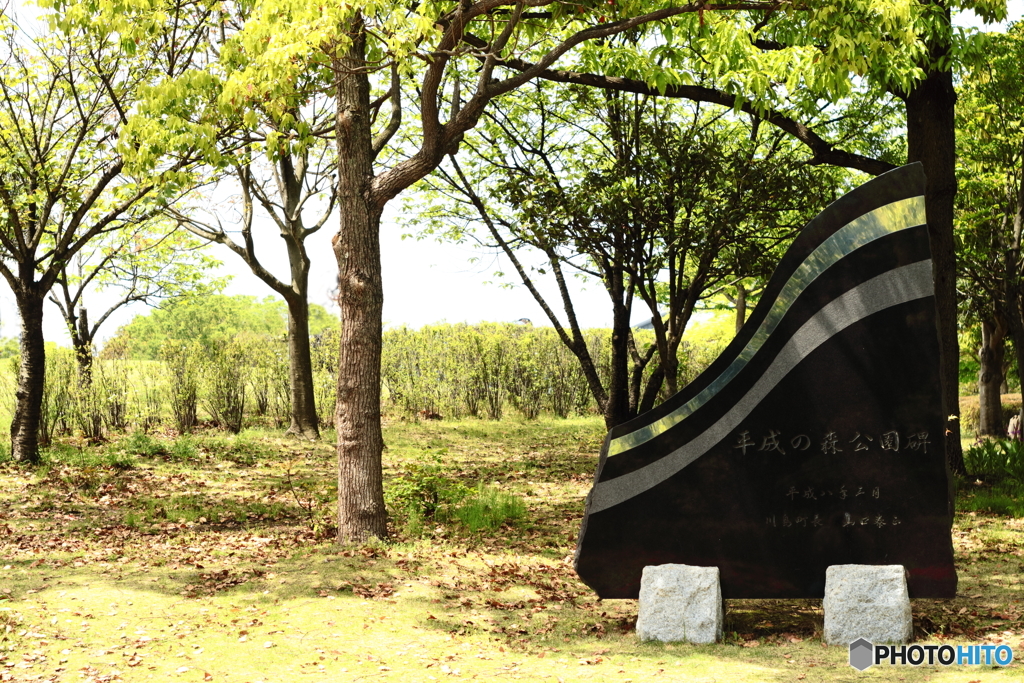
x,y
741,306
670,368
680,321
361,510
1015,319
81,341
616,408
651,391
305,422
931,139
990,379
31,377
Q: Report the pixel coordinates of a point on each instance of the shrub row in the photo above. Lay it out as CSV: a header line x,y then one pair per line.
x,y
226,384
483,370
970,410
486,370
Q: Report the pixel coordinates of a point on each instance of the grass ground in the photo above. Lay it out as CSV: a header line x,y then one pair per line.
x,y
206,559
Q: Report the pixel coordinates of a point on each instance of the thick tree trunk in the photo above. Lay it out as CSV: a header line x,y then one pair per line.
x,y
361,510
990,379
931,139
305,422
31,376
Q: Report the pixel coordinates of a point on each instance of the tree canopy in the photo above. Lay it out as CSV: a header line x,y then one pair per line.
x,y
664,203
990,217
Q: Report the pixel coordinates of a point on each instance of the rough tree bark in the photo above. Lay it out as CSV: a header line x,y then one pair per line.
x,y
361,511
931,139
990,378
304,420
31,373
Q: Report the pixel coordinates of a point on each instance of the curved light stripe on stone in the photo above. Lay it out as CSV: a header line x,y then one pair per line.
x,y
895,287
885,220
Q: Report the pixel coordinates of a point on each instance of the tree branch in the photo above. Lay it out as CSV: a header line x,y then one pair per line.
x,y
822,151
395,121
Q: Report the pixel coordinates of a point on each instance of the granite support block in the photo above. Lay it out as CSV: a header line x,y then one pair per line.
x,y
867,601
680,603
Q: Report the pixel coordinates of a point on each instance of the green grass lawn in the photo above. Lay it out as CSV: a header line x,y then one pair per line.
x,y
209,558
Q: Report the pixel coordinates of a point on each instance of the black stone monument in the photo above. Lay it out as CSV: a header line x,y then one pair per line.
x,y
816,438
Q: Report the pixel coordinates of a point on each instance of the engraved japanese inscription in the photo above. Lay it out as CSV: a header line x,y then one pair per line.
x,y
816,438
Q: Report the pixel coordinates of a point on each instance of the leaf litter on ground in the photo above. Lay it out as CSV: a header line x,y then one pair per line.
x,y
214,570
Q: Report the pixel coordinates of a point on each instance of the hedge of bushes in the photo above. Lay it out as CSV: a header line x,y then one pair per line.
x,y
489,371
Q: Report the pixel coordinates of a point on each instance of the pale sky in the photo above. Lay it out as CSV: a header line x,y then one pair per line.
x,y
424,282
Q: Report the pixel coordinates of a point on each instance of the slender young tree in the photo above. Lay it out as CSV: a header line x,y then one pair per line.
x,y
278,156
281,184
138,263
64,103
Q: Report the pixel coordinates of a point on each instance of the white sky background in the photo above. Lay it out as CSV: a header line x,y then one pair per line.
x,y
424,281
